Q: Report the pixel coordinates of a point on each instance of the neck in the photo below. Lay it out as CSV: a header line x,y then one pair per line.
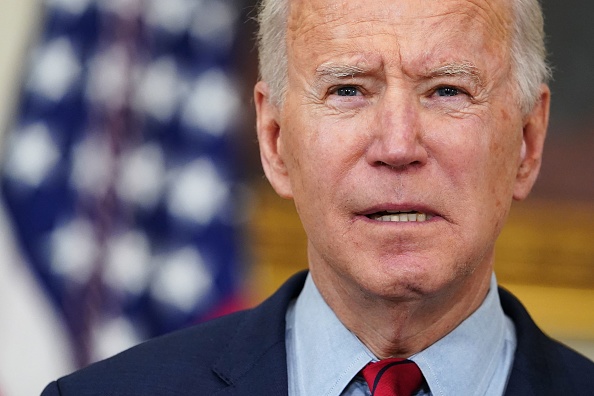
x,y
392,327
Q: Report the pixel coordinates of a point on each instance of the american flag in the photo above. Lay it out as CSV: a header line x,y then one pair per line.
x,y
118,174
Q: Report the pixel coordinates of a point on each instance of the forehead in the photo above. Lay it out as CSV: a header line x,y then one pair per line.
x,y
320,27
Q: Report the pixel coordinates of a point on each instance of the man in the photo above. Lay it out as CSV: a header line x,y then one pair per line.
x,y
402,129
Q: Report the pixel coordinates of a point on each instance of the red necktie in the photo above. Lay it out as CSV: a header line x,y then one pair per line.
x,y
393,377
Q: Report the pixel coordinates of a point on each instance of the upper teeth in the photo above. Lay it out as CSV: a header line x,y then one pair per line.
x,y
403,217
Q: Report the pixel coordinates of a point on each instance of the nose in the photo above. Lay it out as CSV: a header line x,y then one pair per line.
x,y
396,139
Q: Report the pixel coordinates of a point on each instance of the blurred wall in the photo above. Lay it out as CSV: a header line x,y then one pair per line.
x,y
17,24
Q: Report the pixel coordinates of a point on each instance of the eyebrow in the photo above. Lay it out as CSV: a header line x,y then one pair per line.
x,y
329,72
465,69
332,70
338,70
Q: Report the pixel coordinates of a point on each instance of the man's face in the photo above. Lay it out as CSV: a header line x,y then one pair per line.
x,y
400,109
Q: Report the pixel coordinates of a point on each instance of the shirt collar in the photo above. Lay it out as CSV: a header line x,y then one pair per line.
x,y
329,355
474,348
325,351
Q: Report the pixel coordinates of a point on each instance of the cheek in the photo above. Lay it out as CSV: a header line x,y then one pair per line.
x,y
497,161
461,149
505,151
476,160
485,150
307,161
326,149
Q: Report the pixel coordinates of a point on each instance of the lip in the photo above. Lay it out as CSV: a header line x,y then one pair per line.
x,y
399,208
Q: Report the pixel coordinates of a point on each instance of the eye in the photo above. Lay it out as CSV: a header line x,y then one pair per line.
x,y
448,97
447,91
347,91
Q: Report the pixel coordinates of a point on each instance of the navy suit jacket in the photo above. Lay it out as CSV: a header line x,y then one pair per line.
x,y
243,354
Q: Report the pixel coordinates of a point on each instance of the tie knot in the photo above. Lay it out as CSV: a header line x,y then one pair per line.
x,y
393,377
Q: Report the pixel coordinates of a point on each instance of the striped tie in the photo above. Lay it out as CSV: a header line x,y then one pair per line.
x,y
393,377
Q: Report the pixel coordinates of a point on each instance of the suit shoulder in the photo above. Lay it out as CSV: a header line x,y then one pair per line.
x,y
180,357
197,343
207,357
542,365
577,364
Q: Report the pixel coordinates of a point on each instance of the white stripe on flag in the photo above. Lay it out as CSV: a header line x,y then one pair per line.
x,y
33,344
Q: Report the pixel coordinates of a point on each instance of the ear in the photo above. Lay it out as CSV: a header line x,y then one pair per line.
x,y
534,132
270,142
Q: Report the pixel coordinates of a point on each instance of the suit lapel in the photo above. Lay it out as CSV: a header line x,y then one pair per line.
x,y
255,362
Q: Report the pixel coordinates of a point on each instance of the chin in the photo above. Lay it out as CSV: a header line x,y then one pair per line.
x,y
415,279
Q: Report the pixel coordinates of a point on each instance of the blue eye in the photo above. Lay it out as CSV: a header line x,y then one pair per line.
x,y
347,91
447,91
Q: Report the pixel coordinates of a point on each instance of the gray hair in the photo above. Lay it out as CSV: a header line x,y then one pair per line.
x,y
528,52
272,47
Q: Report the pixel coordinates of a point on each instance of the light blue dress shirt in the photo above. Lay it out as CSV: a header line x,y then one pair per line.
x,y
324,357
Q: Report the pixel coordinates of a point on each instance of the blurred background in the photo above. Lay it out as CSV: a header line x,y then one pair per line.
x,y
132,200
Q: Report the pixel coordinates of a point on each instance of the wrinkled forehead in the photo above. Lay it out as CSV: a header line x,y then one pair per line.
x,y
324,19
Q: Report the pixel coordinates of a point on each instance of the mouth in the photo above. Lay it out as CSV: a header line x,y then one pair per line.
x,y
400,216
